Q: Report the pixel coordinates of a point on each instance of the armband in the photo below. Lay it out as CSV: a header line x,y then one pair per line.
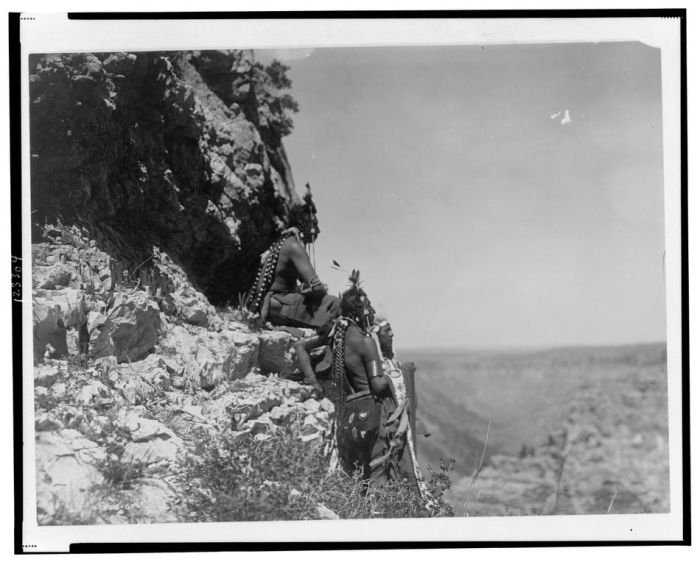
x,y
372,369
313,285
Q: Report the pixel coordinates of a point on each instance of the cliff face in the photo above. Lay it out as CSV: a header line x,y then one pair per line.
x,y
178,151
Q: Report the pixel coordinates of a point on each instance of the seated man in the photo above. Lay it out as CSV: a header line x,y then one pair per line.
x,y
287,291
367,426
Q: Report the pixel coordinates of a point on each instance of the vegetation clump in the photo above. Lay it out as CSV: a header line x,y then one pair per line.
x,y
284,478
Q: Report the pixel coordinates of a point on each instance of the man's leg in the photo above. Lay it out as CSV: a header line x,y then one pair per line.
x,y
302,348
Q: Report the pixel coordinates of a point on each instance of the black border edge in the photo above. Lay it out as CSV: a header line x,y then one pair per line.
x,y
143,547
16,250
685,312
15,95
376,14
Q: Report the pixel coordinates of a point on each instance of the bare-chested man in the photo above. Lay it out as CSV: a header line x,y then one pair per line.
x,y
365,406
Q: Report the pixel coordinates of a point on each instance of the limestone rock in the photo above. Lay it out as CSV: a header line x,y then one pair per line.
x,y
131,330
212,357
45,422
144,429
58,389
154,451
107,362
46,375
91,391
325,513
276,353
262,424
53,276
154,498
311,405
65,473
134,388
68,301
193,307
282,415
155,370
327,405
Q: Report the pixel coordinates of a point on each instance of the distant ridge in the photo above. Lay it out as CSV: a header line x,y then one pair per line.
x,y
525,349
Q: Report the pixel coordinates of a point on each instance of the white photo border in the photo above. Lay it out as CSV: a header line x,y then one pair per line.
x,y
45,33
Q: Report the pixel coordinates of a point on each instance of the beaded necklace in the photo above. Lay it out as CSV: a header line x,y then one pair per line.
x,y
263,278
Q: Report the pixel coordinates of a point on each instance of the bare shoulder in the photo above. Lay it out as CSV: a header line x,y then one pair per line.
x,y
363,344
291,248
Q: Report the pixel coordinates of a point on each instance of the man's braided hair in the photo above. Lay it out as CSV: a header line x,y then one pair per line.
x,y
338,368
263,278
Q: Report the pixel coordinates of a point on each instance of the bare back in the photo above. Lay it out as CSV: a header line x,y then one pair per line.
x,y
293,265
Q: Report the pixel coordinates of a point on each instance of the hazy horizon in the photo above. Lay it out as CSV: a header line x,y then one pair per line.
x,y
491,196
400,350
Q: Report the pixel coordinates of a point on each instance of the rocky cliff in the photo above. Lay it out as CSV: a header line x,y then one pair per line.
x,y
179,151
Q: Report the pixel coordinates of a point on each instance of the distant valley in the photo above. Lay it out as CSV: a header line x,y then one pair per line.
x,y
535,404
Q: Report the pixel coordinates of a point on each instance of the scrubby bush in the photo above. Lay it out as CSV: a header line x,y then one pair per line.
x,y
234,478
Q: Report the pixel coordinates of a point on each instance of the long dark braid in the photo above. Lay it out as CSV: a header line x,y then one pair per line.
x,y
339,379
263,278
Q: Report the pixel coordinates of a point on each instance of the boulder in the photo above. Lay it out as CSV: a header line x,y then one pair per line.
x,y
153,500
144,429
155,370
154,451
95,320
91,391
325,513
53,276
282,414
58,390
46,375
134,388
68,301
312,426
66,474
276,354
193,307
106,363
327,405
247,352
311,405
262,424
46,422
131,330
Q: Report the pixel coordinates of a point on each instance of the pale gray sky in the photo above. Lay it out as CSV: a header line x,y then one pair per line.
x,y
490,196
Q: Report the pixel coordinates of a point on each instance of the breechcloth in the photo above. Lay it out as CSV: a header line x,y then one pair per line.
x,y
307,311
364,436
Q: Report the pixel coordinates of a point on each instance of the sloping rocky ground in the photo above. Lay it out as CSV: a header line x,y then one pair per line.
x,y
125,379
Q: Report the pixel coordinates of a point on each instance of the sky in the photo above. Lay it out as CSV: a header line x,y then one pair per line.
x,y
491,196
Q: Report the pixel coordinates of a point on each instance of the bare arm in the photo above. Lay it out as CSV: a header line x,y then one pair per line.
x,y
302,263
373,366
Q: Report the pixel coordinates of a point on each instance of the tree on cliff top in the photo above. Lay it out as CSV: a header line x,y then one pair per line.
x,y
275,105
